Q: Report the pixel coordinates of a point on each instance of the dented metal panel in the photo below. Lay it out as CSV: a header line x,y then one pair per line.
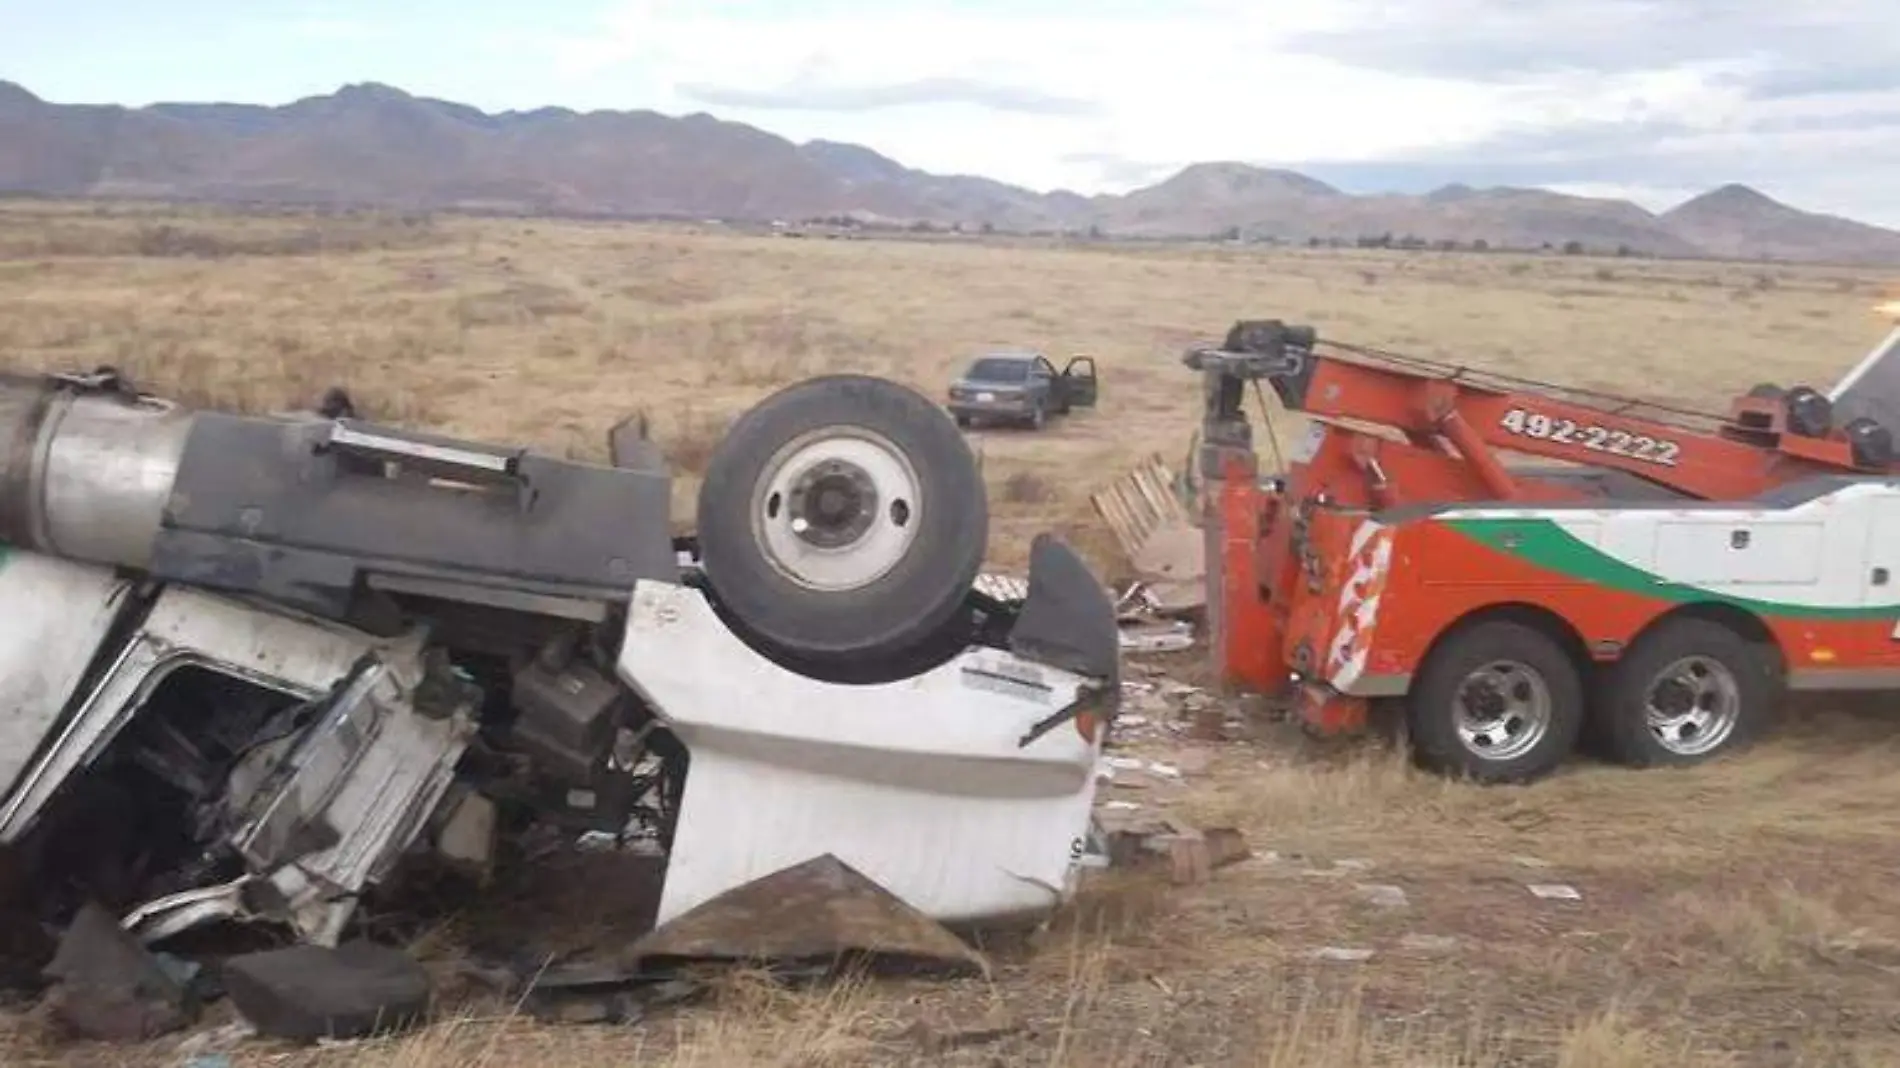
x,y
54,617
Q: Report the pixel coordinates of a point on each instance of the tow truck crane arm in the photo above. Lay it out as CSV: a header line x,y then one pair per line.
x,y
1767,438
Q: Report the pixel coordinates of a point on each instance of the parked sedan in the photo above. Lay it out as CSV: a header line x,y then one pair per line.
x,y
1021,387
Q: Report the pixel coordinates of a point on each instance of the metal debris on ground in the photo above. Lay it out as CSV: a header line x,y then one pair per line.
x,y
1157,637
938,1039
602,994
1428,943
1556,892
109,987
1010,588
800,921
307,992
1343,954
818,910
205,1047
1382,895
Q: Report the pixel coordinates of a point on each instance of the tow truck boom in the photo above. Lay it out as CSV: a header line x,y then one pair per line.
x,y
1767,438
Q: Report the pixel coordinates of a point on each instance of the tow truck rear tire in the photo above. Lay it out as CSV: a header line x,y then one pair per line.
x,y
1712,690
1498,701
842,520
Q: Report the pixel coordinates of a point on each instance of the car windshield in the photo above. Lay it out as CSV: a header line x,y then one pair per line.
x,y
999,369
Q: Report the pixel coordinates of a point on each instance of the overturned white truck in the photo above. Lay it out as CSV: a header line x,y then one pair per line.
x,y
248,664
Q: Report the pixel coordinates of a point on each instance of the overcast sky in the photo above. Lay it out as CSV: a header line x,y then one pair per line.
x,y
1651,99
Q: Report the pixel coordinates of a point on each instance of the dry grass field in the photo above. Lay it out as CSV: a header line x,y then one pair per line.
x,y
1746,913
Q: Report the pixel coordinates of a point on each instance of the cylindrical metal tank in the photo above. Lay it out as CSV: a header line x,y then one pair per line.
x,y
86,474
312,512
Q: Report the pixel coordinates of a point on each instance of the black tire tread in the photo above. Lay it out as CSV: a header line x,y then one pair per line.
x,y
1618,723
1433,734
909,605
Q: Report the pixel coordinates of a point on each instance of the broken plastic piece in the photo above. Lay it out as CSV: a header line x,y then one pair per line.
x,y
304,993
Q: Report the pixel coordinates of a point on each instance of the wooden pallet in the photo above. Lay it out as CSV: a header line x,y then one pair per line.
x,y
1156,531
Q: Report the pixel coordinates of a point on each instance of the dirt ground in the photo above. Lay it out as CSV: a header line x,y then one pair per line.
x,y
1738,914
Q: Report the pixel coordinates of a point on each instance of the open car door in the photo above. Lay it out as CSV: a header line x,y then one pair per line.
x,y
1078,382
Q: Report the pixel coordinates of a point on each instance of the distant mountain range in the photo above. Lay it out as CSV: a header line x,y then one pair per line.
x,y
373,145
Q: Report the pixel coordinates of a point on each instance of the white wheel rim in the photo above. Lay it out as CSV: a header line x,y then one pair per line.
x,y
826,549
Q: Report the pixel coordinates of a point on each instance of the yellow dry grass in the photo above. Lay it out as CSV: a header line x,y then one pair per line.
x,y
1737,914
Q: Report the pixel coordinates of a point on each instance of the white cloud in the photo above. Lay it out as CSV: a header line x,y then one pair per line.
x,y
1187,82
323,29
1653,96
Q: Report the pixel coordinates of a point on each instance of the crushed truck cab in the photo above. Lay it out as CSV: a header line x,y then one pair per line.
x,y
241,705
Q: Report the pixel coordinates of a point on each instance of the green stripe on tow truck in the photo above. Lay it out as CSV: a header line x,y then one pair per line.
x,y
1546,544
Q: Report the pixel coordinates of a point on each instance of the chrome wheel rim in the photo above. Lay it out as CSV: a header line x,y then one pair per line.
x,y
1503,710
1691,707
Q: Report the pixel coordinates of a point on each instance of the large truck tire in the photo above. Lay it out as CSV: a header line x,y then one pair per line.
x,y
1688,691
1497,701
842,521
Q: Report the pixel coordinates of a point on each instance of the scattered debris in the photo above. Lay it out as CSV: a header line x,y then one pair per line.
x,y
108,987
1193,761
602,994
1157,637
1343,954
937,1041
204,1049
1556,892
1192,854
1226,846
1428,943
1338,869
1002,587
1382,895
306,992
1530,862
